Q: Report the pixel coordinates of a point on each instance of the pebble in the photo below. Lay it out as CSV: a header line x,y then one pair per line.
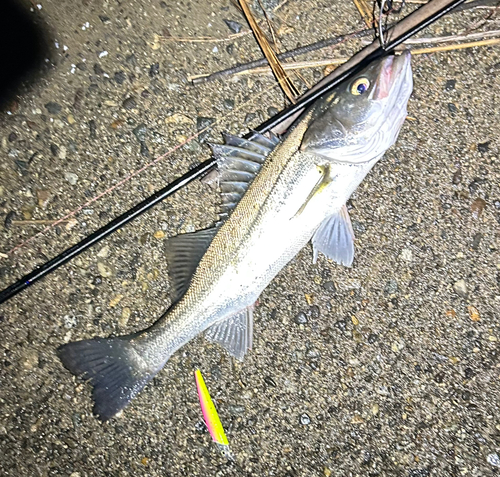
x,y
269,5
418,473
372,338
300,318
30,359
98,69
104,270
406,255
144,149
12,137
484,147
140,132
229,104
391,287
93,129
53,108
178,118
476,241
22,166
43,197
329,286
69,321
477,208
457,177
71,177
460,288
154,69
358,227
314,311
129,103
117,123
250,117
452,109
493,459
120,77
236,409
104,252
202,123
450,85
305,419
270,381
62,152
272,111
115,300
159,234
235,27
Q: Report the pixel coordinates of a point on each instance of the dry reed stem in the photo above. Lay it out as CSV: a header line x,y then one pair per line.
x,y
339,61
284,81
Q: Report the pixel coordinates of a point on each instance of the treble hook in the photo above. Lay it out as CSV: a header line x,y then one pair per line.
x,y
385,8
382,7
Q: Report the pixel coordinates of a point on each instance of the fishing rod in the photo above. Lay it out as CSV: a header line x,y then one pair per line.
x,y
409,26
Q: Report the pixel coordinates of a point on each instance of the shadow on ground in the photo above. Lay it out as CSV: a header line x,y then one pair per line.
x,y
23,47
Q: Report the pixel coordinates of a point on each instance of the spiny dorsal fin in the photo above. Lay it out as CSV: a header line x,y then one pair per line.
x,y
239,161
335,238
183,253
234,333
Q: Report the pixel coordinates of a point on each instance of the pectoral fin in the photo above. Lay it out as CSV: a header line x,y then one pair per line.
x,y
335,238
323,181
234,333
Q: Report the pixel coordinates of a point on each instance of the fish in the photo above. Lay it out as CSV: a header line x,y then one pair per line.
x,y
277,195
211,417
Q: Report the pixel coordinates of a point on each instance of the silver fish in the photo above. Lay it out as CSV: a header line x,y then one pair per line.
x,y
276,196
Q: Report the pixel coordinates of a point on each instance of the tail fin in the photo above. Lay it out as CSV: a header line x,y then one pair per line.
x,y
112,366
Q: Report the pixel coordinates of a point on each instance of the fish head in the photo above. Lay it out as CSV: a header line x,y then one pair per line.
x,y
361,118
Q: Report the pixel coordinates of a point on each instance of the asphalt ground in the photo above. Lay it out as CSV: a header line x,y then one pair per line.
x,y
388,368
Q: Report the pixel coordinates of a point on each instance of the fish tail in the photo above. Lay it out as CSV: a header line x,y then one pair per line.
x,y
113,366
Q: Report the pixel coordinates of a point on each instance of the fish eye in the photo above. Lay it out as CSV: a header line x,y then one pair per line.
x,y
360,86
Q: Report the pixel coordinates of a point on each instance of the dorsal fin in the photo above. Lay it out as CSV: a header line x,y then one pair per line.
x,y
239,161
183,253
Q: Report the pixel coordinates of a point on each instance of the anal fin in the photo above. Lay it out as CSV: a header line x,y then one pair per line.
x,y
335,238
235,333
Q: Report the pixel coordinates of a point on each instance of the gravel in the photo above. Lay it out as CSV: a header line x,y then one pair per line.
x,y
382,380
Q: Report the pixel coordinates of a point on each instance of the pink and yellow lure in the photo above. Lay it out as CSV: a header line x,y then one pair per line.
x,y
211,417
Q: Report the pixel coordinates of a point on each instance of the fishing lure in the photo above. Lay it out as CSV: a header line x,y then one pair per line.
x,y
211,417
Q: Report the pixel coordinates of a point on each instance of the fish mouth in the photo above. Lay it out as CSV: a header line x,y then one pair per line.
x,y
395,72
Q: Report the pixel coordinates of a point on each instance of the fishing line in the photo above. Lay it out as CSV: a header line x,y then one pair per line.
x,y
136,172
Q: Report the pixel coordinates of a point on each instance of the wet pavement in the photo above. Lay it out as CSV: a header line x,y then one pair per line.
x,y
388,368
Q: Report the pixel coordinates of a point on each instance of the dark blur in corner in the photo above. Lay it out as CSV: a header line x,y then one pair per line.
x,y
23,47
